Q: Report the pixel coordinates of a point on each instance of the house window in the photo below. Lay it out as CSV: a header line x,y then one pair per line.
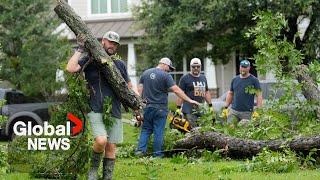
x,y
109,6
119,6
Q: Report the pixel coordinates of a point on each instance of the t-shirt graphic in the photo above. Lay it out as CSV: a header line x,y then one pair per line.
x,y
199,88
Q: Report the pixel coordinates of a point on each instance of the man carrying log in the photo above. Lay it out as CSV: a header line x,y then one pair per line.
x,y
106,138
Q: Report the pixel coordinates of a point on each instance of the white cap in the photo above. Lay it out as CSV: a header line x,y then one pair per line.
x,y
168,62
195,61
112,36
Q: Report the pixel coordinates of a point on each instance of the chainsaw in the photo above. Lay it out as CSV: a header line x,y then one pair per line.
x,y
177,121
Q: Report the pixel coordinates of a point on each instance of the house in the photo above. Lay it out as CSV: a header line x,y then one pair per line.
x,y
104,15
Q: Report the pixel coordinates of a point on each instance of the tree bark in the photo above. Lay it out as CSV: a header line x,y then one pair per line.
x,y
309,87
127,97
236,147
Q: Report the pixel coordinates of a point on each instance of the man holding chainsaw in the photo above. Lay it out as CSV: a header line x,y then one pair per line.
x,y
195,86
241,94
154,85
106,138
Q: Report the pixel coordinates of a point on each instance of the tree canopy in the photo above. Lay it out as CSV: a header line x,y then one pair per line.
x,y
178,28
31,52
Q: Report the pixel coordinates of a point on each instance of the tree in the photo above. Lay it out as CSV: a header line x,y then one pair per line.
x,y
183,27
31,52
273,123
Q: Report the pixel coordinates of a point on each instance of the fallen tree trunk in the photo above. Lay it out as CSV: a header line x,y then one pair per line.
x,y
236,147
309,87
127,97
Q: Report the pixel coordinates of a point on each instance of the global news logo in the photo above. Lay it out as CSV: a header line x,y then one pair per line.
x,y
60,133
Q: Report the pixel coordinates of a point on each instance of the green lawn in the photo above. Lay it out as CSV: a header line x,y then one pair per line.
x,y
179,168
168,168
165,169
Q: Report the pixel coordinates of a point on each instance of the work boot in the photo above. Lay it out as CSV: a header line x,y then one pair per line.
x,y
107,170
95,162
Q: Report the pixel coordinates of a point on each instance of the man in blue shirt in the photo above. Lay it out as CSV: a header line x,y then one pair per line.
x,y
241,94
106,138
154,85
195,86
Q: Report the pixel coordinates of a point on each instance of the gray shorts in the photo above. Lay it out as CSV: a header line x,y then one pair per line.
x,y
114,134
238,115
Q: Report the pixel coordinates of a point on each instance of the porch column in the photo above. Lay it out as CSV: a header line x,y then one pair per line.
x,y
132,64
210,73
184,61
210,70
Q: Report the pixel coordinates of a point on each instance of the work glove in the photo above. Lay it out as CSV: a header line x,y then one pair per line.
x,y
81,39
224,113
255,115
178,110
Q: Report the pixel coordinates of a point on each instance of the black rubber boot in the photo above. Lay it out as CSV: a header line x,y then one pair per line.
x,y
95,162
107,170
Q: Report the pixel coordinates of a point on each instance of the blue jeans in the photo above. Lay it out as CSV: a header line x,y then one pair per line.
x,y
154,122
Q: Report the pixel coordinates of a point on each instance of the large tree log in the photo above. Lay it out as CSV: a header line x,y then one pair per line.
x,y
127,97
237,147
309,87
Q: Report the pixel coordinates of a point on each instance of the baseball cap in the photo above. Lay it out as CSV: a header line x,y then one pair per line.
x,y
195,61
245,63
168,62
112,36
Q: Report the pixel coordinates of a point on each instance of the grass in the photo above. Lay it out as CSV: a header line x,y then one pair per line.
x,y
165,169
176,168
168,168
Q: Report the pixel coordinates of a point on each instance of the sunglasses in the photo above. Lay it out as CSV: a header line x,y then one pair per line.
x,y
195,67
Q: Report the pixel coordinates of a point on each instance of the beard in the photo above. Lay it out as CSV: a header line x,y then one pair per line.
x,y
110,51
243,73
195,73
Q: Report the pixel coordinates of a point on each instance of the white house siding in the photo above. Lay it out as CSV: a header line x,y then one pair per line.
x,y
80,7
